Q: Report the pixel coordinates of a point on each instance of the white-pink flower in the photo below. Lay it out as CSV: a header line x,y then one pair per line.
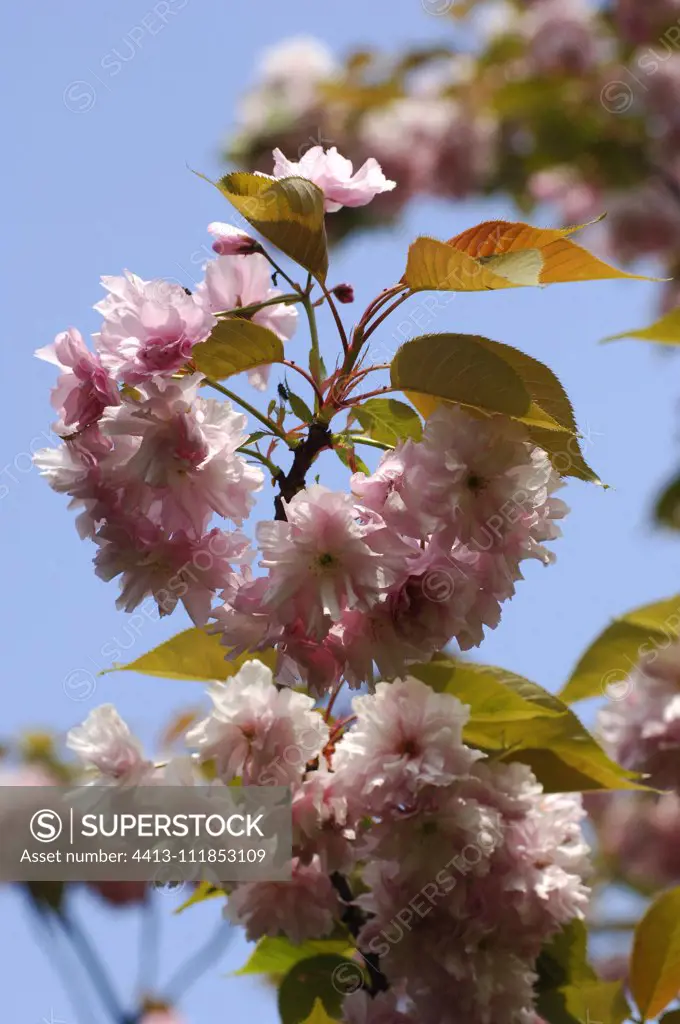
x,y
335,176
306,907
84,388
188,453
328,556
406,737
642,730
235,281
231,241
105,742
150,327
168,568
255,731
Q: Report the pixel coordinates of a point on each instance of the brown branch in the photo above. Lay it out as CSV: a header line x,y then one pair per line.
x,y
318,438
353,918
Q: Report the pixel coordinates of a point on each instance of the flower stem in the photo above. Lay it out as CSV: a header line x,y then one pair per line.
x,y
269,424
255,307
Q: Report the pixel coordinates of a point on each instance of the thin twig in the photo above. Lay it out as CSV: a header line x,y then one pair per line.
x,y
196,965
308,377
93,965
268,423
336,316
385,313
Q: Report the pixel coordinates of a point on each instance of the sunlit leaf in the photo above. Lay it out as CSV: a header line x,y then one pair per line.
x,y
437,266
235,345
667,508
319,1015
388,420
520,721
203,891
278,955
288,212
315,978
655,961
614,654
665,331
562,260
564,960
192,654
483,375
588,1002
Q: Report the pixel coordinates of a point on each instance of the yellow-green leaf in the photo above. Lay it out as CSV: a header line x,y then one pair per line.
x,y
562,260
319,1015
520,721
388,421
288,212
327,977
564,452
236,345
437,266
665,331
192,654
595,1002
482,375
278,955
612,657
667,508
203,891
655,962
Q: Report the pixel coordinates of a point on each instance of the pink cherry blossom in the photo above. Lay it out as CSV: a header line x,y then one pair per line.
x,y
303,908
642,730
258,732
360,1008
405,737
326,557
234,281
320,823
231,241
150,327
335,176
104,742
168,568
84,389
188,453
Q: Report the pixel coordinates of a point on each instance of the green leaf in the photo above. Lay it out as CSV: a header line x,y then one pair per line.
x,y
346,452
564,960
288,212
517,720
672,1017
482,375
612,657
319,1015
299,407
491,693
327,977
665,331
192,654
667,508
564,452
278,955
235,345
655,961
590,1002
388,420
203,891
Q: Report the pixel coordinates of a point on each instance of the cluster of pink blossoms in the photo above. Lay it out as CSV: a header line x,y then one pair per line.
x,y
640,833
422,551
452,126
467,867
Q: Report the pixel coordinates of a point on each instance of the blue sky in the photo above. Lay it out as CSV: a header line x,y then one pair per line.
x,y
103,112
